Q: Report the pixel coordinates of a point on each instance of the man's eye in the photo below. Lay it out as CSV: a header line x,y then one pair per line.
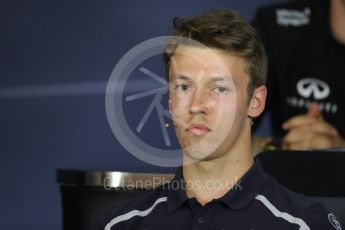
x,y
183,87
221,89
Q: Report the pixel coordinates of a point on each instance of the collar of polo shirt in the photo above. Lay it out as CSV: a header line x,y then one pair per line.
x,y
239,197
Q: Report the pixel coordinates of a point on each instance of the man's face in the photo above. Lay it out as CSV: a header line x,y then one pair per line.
x,y
208,101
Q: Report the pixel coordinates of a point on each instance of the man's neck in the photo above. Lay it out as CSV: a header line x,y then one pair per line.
x,y
212,179
337,20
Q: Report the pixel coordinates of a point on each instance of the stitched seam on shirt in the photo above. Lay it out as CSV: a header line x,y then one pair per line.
x,y
134,213
284,215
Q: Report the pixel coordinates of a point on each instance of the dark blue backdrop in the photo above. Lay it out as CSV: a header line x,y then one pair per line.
x,y
56,57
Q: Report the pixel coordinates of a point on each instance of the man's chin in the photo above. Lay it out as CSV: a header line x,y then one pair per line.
x,y
194,155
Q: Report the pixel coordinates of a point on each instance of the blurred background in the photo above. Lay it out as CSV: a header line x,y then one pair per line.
x,y
56,58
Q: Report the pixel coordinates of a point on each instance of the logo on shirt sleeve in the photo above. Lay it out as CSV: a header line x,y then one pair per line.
x,y
334,221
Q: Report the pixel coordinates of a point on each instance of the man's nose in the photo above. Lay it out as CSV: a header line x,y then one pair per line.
x,y
200,102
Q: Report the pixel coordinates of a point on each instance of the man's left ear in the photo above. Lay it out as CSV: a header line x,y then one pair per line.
x,y
257,102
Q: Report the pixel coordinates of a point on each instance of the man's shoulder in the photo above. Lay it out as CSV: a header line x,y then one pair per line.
x,y
142,202
295,207
139,206
287,199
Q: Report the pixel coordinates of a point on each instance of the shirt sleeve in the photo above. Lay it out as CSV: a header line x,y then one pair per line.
x,y
318,218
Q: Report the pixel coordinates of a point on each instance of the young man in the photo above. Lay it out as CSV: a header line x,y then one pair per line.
x,y
217,67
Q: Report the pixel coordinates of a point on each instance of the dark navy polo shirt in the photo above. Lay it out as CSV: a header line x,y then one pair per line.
x,y
257,202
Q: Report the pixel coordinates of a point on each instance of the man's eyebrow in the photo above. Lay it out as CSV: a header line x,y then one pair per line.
x,y
182,77
211,80
222,78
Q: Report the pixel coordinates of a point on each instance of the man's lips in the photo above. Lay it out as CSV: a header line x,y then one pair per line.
x,y
198,129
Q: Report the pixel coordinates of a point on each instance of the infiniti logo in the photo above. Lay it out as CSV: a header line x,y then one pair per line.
x,y
311,86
